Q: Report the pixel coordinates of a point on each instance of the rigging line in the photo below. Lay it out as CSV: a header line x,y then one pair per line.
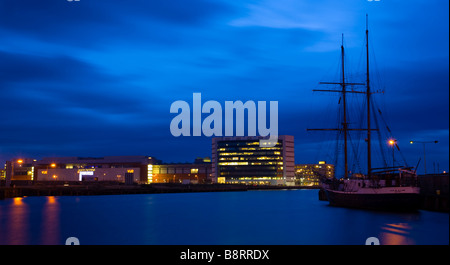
x,y
356,143
356,154
338,136
361,61
382,119
336,155
403,157
389,135
376,67
380,140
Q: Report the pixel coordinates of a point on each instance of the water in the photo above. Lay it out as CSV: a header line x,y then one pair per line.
x,y
278,217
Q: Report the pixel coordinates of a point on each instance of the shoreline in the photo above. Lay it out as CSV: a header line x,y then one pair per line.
x,y
102,189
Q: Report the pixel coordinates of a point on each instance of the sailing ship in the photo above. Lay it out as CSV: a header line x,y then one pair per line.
x,y
394,188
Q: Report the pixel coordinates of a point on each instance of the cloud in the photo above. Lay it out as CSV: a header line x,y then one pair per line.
x,y
88,22
98,77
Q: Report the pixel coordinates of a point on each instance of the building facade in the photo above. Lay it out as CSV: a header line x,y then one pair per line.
x,y
121,169
241,160
127,169
20,169
310,174
182,173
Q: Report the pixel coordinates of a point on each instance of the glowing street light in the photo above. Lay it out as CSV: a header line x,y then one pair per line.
x,y
53,165
20,161
393,143
424,157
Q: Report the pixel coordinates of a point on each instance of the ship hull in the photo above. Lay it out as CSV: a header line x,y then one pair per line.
x,y
397,201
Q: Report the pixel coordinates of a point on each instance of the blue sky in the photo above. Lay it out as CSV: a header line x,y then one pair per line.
x,y
97,77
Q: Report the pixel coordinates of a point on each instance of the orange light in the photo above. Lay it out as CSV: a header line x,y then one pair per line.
x,y
20,161
17,201
53,165
54,176
391,142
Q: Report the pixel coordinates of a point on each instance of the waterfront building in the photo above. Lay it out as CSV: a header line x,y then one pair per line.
x,y
122,169
126,169
242,160
182,173
20,169
309,174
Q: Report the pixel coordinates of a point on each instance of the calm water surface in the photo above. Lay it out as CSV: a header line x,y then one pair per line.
x,y
252,217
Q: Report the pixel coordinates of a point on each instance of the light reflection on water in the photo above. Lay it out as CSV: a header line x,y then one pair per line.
x,y
50,222
17,222
396,234
17,225
254,217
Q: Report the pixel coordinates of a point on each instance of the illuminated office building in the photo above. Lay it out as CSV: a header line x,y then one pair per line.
x,y
197,173
241,160
310,174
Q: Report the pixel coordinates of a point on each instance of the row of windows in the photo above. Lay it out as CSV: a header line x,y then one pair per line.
x,y
252,178
85,166
241,173
243,143
258,153
249,167
250,148
228,162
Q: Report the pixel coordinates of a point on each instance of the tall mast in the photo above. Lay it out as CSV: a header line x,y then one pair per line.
x,y
344,92
344,124
369,157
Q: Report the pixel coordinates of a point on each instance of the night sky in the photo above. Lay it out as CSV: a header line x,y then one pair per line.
x,y
97,77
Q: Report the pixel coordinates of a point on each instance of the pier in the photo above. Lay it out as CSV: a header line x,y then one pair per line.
x,y
109,189
77,189
434,192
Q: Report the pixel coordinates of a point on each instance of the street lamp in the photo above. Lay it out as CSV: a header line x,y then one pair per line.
x,y
393,143
424,157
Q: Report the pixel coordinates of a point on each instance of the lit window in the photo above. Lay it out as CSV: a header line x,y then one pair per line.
x,y
194,170
232,164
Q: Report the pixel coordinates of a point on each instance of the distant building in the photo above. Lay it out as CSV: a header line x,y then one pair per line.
x,y
20,169
122,169
2,174
199,172
242,160
309,174
127,169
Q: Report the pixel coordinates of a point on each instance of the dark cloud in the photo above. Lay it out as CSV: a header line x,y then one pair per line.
x,y
96,23
16,67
